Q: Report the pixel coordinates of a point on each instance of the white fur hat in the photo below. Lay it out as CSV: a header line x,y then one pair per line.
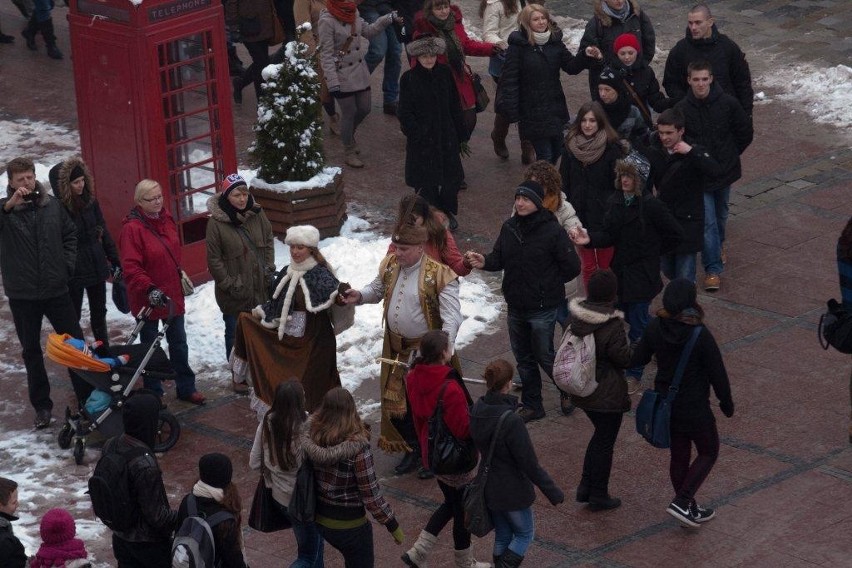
x,y
305,235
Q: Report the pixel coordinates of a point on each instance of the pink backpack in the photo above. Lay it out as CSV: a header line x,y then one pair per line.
x,y
574,366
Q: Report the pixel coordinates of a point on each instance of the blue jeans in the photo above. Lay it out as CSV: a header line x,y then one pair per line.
x,y
715,220
548,149
356,545
178,354
308,540
384,46
230,331
637,316
531,336
513,530
42,9
679,265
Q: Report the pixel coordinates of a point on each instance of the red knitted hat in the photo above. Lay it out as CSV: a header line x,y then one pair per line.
x,y
626,40
57,526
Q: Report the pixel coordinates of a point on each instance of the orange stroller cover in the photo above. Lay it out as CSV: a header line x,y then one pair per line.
x,y
69,356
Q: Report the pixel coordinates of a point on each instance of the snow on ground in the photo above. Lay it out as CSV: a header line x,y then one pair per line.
x,y
823,92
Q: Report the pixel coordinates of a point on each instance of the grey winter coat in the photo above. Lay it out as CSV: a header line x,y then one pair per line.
x,y
346,71
236,269
38,248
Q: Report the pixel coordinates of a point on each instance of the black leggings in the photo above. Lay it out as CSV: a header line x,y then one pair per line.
x,y
597,464
687,477
451,508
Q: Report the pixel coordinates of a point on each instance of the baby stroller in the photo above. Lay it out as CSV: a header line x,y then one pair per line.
x,y
114,385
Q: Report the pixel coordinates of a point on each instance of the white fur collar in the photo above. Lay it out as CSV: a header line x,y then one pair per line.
x,y
292,280
591,316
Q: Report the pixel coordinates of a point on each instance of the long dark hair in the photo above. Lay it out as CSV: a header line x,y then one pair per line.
x,y
432,347
844,243
282,422
600,116
414,205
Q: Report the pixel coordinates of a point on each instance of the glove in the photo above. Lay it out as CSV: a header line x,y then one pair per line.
x,y
398,535
156,298
335,92
116,272
727,408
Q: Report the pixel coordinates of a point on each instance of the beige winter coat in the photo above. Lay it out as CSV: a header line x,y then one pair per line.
x,y
346,71
496,25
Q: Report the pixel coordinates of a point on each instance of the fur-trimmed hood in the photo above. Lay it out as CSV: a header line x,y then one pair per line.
x,y
60,180
606,20
332,454
588,316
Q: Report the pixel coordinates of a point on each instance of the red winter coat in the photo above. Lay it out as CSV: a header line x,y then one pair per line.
x,y
147,264
464,82
423,384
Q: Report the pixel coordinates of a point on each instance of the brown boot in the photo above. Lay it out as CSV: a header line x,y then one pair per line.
x,y
498,136
352,158
527,152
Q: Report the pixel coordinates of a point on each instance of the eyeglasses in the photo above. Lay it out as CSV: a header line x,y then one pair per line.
x,y
152,199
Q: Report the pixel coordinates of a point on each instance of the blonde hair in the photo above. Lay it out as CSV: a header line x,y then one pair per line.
x,y
525,17
144,187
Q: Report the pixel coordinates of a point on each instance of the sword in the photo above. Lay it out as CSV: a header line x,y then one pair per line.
x,y
394,363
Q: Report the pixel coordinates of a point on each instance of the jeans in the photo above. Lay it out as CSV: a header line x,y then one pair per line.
x,y
513,530
592,259
356,545
563,315
715,220
28,315
97,308
308,540
597,464
230,331
385,46
451,509
178,354
548,148
41,10
679,265
687,477
637,316
531,337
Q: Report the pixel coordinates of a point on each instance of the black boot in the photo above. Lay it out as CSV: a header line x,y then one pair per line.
x,y
509,560
409,463
235,66
582,492
603,501
238,84
29,33
46,29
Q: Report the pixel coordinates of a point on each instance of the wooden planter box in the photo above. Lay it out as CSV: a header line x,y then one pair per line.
x,y
323,207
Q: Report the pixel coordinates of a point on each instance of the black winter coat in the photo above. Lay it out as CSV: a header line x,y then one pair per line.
x,y
514,467
641,78
721,126
38,248
536,258
530,92
679,180
602,31
640,232
430,116
730,68
589,187
612,353
11,550
666,338
226,535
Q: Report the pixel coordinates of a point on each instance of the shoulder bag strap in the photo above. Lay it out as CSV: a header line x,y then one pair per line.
x,y
148,226
191,505
638,100
681,365
245,236
487,464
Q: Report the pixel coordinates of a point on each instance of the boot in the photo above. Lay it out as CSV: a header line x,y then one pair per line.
x,y
29,34
509,560
235,66
411,459
354,161
238,84
582,492
498,136
602,501
46,29
465,559
419,553
527,152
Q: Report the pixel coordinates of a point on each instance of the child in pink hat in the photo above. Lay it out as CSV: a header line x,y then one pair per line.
x,y
59,547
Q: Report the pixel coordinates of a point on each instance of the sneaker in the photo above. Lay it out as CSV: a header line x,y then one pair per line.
x,y
424,473
633,385
42,418
701,514
528,414
712,282
683,514
195,398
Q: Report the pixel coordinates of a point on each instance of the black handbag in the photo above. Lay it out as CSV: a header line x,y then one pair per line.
x,y
482,98
654,411
303,501
835,328
447,454
477,518
265,515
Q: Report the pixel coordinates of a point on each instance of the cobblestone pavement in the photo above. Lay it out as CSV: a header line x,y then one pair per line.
x,y
783,481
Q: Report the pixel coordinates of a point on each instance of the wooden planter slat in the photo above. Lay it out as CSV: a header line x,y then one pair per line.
x,y
323,207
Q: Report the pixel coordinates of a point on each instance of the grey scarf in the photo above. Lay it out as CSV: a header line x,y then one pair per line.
x,y
622,14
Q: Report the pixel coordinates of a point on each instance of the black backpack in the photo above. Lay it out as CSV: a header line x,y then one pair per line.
x,y
194,545
109,488
835,328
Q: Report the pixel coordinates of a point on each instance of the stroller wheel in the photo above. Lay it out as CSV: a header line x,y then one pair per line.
x,y
65,436
79,451
168,432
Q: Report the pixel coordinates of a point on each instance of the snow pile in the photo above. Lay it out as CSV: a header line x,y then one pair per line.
x,y
323,178
572,31
823,92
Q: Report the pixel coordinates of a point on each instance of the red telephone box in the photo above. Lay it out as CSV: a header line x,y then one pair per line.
x,y
154,101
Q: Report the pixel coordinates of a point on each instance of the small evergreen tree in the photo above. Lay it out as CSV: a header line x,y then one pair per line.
x,y
289,128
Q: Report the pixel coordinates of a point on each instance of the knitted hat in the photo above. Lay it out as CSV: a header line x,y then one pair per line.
x,y
215,470
602,287
305,235
533,191
426,45
408,234
679,295
230,183
611,78
632,166
57,526
76,172
626,40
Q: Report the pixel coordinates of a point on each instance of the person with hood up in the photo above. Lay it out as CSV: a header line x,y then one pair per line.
x,y
11,549
59,547
148,542
97,255
605,407
692,420
515,471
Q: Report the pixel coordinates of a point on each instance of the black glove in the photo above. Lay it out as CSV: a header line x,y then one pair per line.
x,y
157,298
727,408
